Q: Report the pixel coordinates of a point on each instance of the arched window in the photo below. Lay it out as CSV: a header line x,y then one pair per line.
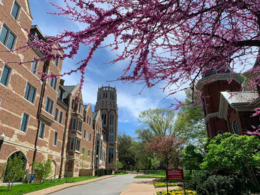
x,y
220,132
104,118
235,127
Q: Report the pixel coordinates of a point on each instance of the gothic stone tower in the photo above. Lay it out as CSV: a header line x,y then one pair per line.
x,y
107,104
212,83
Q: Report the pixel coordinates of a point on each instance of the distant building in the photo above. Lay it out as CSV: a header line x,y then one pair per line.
x,y
41,118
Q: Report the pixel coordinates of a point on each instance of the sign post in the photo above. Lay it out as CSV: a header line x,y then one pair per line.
x,y
175,174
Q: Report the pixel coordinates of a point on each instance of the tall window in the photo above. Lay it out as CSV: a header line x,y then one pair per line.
x,y
235,127
24,122
90,137
55,138
111,138
6,75
49,105
72,144
80,126
84,134
88,152
7,37
53,83
56,114
15,10
104,118
74,122
112,119
89,120
34,66
87,136
56,61
42,129
78,145
111,155
79,107
61,115
72,104
29,93
60,94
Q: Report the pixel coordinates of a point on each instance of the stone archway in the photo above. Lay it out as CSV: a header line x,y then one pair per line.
x,y
24,159
54,169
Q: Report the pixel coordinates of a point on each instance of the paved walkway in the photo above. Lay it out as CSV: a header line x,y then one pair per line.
x,y
140,187
67,185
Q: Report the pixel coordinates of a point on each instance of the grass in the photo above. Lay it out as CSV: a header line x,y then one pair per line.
x,y
26,188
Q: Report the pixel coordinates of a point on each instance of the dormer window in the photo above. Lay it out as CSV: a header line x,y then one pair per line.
x,y
60,94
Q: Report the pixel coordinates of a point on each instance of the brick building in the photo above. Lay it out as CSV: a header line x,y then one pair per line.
x,y
227,108
41,118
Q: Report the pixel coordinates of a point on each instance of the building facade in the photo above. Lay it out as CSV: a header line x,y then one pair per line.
x,y
226,107
39,118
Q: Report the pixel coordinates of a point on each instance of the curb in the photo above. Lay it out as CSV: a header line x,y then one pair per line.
x,y
72,185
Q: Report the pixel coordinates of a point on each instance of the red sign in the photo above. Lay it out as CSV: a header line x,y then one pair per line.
x,y
174,174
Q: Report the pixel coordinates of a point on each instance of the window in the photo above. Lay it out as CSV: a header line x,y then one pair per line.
x,y
72,144
79,107
34,66
74,124
56,114
111,155
111,119
104,118
42,128
15,10
235,127
83,150
85,134
88,152
61,114
80,126
89,120
72,104
49,105
30,93
55,138
24,122
6,75
220,132
111,138
53,83
56,61
111,130
90,137
60,94
7,37
78,145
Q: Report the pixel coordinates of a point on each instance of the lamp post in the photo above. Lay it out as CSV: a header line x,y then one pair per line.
x,y
2,138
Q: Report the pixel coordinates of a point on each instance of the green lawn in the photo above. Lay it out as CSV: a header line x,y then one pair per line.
x,y
26,188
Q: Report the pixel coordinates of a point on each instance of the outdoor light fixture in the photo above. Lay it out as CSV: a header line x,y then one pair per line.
x,y
2,138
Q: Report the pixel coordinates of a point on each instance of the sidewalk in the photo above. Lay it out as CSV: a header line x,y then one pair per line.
x,y
66,185
140,187
144,187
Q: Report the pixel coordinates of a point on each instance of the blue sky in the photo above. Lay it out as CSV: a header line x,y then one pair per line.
x,y
130,103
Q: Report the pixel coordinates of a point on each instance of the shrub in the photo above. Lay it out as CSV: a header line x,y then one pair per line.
x,y
42,170
101,172
217,185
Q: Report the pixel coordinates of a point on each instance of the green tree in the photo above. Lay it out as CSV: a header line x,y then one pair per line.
x,y
156,122
189,124
119,165
14,170
156,162
126,154
240,154
191,158
42,170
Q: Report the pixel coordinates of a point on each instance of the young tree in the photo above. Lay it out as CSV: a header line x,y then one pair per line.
x,y
239,154
156,162
167,147
14,170
119,165
42,170
191,158
83,157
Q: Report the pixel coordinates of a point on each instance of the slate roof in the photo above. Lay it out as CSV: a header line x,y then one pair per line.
x,y
240,97
68,89
94,115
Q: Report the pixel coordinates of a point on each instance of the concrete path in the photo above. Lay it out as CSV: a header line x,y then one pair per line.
x,y
140,187
110,186
67,185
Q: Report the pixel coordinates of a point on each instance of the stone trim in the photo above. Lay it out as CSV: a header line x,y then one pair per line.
x,y
211,115
46,119
62,104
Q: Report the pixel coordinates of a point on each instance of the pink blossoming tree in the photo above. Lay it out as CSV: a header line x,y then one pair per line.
x,y
174,41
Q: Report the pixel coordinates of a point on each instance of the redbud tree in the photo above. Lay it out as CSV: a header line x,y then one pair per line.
x,y
170,41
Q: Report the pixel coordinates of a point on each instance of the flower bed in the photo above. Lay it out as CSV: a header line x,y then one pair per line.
x,y
178,191
163,184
